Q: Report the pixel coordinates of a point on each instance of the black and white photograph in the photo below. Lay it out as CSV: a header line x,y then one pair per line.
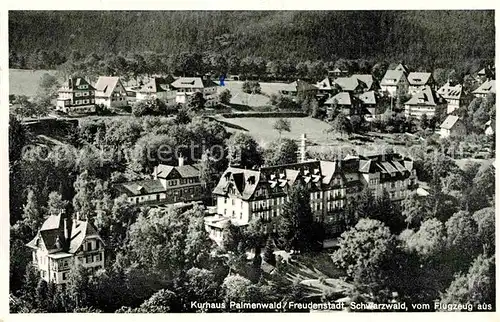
x,y
251,161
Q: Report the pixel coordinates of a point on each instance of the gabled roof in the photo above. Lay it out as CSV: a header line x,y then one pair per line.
x,y
368,98
107,84
343,98
140,187
157,85
185,171
367,79
54,238
328,169
326,84
426,97
52,222
402,67
419,79
349,83
193,82
486,87
74,82
449,122
247,182
392,77
450,92
299,86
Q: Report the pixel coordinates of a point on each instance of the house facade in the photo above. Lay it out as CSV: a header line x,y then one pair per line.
x,y
394,83
424,102
63,242
452,126
369,102
454,96
244,194
187,86
300,87
157,88
349,103
76,95
169,185
110,92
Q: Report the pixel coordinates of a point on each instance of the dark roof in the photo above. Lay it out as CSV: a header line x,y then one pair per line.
x,y
451,92
247,182
54,238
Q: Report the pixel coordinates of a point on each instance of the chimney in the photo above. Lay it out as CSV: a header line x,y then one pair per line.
x,y
181,160
70,82
66,232
302,148
155,173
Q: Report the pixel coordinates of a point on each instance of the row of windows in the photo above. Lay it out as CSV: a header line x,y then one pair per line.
x,y
79,102
185,191
182,181
91,258
233,214
78,94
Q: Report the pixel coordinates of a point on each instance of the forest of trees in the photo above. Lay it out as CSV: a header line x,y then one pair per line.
x,y
423,39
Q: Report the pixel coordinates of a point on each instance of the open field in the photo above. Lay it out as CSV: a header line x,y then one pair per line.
x,y
262,128
25,82
317,137
252,100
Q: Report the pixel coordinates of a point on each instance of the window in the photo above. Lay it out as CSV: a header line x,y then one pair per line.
x,y
64,276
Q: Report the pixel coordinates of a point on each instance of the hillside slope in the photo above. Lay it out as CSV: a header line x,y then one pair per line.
x,y
415,36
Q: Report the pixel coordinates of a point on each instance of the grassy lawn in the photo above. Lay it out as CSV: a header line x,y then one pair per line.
x,y
316,130
25,82
262,128
252,100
